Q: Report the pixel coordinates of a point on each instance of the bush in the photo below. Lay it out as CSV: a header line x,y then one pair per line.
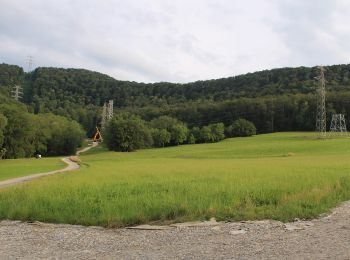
x,y
206,136
196,133
217,132
210,133
57,135
191,139
3,123
178,130
23,134
240,127
127,133
161,137
2,153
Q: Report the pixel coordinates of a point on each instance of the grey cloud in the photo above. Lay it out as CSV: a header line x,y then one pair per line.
x,y
308,30
183,40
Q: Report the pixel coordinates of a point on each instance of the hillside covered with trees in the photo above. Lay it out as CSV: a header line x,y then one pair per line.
x,y
273,100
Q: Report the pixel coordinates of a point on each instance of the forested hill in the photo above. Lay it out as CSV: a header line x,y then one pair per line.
x,y
88,87
79,93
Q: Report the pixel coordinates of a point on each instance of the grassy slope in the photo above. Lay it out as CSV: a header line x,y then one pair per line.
x,y
22,167
242,178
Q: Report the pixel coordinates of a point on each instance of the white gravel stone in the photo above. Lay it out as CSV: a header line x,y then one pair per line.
x,y
323,238
238,232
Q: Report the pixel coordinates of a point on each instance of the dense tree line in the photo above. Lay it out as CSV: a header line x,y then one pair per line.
x,y
23,134
127,132
269,114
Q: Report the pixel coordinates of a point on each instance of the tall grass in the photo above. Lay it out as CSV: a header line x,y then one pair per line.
x,y
278,176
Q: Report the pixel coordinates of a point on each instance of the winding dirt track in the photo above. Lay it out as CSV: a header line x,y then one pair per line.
x,y
70,167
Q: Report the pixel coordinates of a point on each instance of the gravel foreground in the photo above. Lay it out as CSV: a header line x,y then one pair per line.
x,y
323,238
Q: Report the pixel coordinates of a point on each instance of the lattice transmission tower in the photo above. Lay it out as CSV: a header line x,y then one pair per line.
x,y
29,62
110,110
16,92
321,119
107,113
338,124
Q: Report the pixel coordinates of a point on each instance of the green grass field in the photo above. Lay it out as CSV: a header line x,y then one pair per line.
x,y
276,176
22,167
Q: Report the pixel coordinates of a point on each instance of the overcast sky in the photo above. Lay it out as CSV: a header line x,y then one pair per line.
x,y
175,40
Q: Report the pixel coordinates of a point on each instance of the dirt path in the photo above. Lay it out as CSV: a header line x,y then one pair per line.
x,y
324,238
94,144
70,167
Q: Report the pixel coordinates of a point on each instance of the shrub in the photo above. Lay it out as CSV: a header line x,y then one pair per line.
x,y
3,123
212,133
191,139
161,137
217,132
196,133
127,133
178,130
206,135
240,127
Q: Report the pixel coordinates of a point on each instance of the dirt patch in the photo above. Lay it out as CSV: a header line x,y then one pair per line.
x,y
75,159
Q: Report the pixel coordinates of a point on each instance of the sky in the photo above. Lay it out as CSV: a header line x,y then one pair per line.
x,y
174,40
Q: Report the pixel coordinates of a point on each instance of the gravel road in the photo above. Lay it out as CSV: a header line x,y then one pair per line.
x,y
323,238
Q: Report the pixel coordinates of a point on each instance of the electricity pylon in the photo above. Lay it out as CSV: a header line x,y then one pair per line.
x,y
107,113
110,110
16,92
29,62
321,120
338,124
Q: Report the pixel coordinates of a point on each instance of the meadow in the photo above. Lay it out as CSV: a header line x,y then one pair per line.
x,y
21,167
276,176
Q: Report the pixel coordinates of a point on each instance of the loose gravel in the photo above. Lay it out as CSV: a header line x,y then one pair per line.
x,y
323,238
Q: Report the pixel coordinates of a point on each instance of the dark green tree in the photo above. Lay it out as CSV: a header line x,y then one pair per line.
x,y
206,135
3,123
127,133
18,134
178,130
191,139
161,137
241,127
196,133
217,132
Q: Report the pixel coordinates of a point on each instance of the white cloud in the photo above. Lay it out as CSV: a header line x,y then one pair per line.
x,y
178,41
